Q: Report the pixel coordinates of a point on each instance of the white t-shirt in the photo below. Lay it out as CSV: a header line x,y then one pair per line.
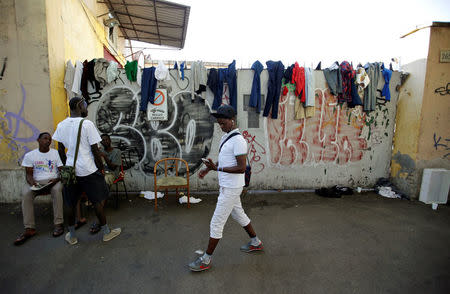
x,y
66,133
235,146
45,165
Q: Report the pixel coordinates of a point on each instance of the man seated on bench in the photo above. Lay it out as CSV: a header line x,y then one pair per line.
x,y
112,159
42,177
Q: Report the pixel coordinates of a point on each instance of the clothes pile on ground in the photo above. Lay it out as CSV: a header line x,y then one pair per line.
x,y
150,195
385,188
334,192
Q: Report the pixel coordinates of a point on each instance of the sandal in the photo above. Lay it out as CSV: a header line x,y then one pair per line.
x,y
25,236
58,231
79,224
95,228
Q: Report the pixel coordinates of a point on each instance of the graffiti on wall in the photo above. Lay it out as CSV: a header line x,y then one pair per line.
x,y
335,134
442,144
13,146
443,90
186,134
3,68
255,152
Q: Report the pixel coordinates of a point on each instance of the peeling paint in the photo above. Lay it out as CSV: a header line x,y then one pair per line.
x,y
407,164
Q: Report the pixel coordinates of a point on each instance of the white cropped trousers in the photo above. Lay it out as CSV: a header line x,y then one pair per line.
x,y
229,201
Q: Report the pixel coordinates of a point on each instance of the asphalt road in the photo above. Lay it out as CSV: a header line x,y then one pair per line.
x,y
362,243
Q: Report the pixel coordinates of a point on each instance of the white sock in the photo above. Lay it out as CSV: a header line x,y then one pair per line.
x,y
206,258
255,241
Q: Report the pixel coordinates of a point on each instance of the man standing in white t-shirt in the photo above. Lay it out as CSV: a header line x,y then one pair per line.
x,y
230,167
42,176
88,168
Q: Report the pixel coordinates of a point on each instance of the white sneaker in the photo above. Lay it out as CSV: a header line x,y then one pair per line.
x,y
114,233
71,241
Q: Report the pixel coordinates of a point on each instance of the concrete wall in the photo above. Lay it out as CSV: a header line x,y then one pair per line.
x,y
434,140
423,122
407,129
25,104
77,34
336,146
37,39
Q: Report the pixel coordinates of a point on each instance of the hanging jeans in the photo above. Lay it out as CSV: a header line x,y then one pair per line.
x,y
227,75
232,84
148,87
216,82
276,70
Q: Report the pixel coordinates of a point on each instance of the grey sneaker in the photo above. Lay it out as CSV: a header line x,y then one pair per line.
x,y
198,265
71,241
112,234
250,248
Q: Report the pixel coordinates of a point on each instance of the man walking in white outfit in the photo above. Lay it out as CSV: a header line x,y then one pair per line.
x,y
230,167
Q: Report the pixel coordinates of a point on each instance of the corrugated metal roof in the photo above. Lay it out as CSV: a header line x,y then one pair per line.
x,y
151,21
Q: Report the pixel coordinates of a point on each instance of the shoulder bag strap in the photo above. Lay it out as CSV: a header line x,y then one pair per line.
x,y
78,142
228,138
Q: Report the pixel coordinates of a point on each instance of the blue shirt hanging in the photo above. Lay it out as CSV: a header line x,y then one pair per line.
x,y
387,78
255,96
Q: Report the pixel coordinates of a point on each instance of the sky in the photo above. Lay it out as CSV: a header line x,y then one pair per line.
x,y
305,31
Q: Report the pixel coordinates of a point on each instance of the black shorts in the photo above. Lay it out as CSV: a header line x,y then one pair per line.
x,y
93,185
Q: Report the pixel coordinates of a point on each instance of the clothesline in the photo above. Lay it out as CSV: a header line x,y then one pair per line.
x,y
354,87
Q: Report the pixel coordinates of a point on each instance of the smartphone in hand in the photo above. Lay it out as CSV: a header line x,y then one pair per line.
x,y
205,160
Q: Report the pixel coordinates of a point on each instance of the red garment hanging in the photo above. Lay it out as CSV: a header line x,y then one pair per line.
x,y
298,78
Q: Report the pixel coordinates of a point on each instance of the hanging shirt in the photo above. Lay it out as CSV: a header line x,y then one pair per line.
x,y
139,76
387,78
182,67
131,70
255,96
68,79
370,93
198,78
356,99
298,78
333,78
111,72
288,74
362,79
309,87
162,72
347,74
89,77
100,68
76,86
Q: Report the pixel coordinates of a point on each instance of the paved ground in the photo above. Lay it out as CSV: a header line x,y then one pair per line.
x,y
357,244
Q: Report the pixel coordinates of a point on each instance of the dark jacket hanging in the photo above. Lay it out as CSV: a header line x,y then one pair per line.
x,y
275,70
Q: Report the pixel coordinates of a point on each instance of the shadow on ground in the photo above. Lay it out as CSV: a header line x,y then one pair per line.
x,y
361,243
